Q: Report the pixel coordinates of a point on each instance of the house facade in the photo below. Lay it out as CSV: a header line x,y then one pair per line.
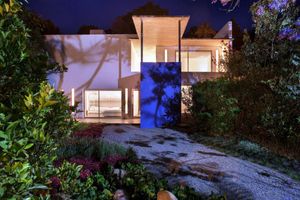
x,y
104,73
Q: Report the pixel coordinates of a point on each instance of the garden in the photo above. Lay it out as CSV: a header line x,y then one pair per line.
x,y
46,154
254,110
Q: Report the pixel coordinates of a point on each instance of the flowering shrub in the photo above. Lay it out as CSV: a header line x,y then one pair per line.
x,y
55,182
87,163
84,174
278,17
92,131
113,160
264,75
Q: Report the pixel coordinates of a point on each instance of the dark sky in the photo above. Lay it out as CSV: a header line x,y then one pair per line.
x,y
69,15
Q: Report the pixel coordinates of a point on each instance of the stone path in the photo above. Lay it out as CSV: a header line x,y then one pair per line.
x,y
172,155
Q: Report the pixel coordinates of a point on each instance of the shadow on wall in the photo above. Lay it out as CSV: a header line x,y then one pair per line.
x,y
160,94
89,60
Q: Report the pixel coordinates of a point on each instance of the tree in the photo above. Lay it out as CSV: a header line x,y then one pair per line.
x,y
33,116
266,71
204,30
24,59
124,24
237,35
85,29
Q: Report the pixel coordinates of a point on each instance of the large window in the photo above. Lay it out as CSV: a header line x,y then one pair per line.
x,y
103,103
195,61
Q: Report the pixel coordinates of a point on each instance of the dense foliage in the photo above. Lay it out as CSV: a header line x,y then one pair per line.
x,y
263,79
218,110
28,144
33,115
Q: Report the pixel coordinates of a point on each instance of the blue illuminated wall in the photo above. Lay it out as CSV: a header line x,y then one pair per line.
x,y
160,94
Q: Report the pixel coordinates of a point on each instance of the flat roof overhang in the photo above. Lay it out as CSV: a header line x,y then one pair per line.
x,y
160,30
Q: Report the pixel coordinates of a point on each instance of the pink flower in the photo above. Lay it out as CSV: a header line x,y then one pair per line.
x,y
55,182
93,131
114,159
84,174
87,163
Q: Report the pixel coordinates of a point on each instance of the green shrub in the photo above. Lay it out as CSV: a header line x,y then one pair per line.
x,y
140,184
250,148
71,184
22,65
212,107
27,146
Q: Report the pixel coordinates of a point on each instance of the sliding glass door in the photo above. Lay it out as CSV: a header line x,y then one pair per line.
x,y
103,103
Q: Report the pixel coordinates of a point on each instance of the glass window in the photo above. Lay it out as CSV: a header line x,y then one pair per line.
x,y
91,104
195,61
110,103
199,61
103,103
184,60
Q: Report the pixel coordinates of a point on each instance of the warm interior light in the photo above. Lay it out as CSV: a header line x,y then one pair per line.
x,y
166,55
73,97
217,60
126,100
184,96
195,61
136,106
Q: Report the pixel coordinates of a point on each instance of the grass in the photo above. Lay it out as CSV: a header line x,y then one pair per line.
x,y
89,148
248,150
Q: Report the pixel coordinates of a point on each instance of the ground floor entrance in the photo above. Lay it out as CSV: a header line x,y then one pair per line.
x,y
115,103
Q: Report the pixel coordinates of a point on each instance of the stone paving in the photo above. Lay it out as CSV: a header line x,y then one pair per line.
x,y
172,155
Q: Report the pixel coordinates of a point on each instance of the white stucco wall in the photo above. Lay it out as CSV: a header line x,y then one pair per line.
x,y
93,61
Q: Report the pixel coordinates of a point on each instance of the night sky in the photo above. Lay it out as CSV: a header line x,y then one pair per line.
x,y
69,15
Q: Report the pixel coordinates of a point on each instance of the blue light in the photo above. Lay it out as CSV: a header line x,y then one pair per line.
x,y
160,94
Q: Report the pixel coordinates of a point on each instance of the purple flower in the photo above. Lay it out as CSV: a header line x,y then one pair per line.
x,y
260,11
55,182
297,23
278,4
84,174
295,36
285,32
288,33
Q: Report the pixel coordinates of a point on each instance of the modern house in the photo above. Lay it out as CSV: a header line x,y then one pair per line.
x,y
105,71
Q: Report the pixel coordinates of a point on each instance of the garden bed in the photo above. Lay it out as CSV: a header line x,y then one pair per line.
x,y
91,168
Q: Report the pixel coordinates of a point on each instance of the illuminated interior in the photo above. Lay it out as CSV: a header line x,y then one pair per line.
x,y
103,103
149,54
126,101
184,97
195,61
91,103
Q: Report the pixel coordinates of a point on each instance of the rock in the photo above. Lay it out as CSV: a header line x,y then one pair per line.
x,y
120,195
165,195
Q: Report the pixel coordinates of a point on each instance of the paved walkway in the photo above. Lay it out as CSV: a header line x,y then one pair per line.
x,y
170,154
